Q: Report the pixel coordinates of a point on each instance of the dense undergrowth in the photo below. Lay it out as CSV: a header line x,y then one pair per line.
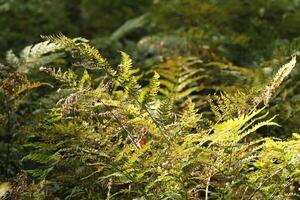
x,y
185,100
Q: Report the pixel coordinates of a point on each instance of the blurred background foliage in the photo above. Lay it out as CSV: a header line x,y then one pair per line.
x,y
232,44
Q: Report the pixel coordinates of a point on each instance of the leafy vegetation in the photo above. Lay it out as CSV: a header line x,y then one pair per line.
x,y
185,100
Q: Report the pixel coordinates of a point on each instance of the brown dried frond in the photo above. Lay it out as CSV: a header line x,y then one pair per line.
x,y
11,84
283,72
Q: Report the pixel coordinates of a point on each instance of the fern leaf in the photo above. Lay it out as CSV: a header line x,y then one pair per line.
x,y
42,158
148,94
68,78
34,55
165,110
27,87
189,117
283,72
179,77
85,81
153,86
90,54
125,67
257,126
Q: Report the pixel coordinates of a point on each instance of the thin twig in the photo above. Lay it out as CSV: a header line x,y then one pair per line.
x,y
207,186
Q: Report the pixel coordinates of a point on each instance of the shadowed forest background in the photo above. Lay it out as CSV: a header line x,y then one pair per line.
x,y
149,99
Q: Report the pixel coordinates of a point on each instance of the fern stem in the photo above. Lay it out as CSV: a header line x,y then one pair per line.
x,y
207,186
109,189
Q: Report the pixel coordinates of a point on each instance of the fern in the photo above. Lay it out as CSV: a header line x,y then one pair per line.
x,y
125,67
104,137
166,110
179,77
17,84
88,53
85,81
125,71
189,118
278,160
34,55
224,106
282,73
148,94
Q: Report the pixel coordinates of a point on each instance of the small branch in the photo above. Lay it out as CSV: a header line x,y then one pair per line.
x,y
207,186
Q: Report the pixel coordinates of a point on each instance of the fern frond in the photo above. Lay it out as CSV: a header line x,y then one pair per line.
x,y
27,87
90,54
269,122
189,117
126,77
34,55
68,78
283,72
153,87
42,158
35,51
16,85
179,77
278,160
224,105
233,129
148,94
85,81
165,111
124,68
